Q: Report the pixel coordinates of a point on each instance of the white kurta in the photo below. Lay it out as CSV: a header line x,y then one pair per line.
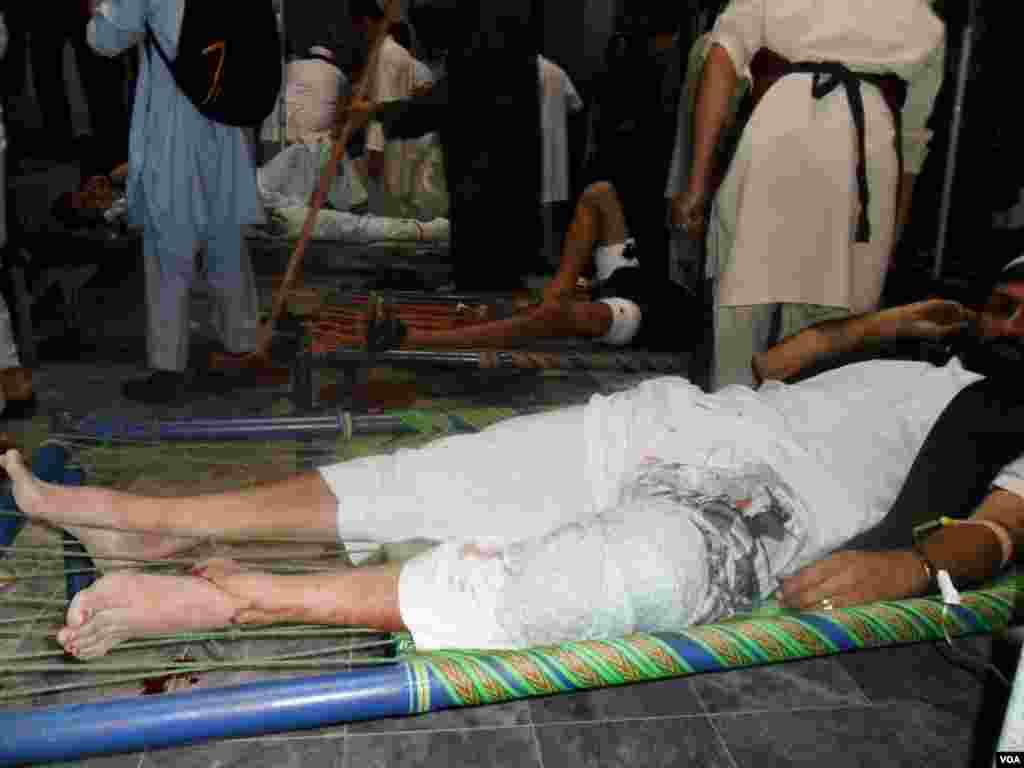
x,y
189,180
784,220
393,81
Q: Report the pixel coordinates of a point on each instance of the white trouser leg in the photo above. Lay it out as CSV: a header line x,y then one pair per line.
x,y
170,268
231,279
521,478
8,349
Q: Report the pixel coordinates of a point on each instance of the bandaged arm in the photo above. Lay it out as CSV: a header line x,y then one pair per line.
x,y
974,553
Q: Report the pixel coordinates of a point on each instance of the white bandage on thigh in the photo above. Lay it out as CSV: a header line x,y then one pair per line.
x,y
448,596
626,317
608,258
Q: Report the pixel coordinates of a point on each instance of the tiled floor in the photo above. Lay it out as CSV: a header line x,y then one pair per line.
x,y
904,706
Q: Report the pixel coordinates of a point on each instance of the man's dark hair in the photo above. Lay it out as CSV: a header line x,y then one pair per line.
x,y
402,33
365,8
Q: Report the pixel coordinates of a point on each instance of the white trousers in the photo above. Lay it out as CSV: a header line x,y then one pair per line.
x,y
170,271
525,557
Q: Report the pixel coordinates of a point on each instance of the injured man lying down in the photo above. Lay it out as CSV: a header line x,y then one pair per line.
x,y
653,509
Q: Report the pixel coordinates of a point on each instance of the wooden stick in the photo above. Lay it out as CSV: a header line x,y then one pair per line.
x,y
326,179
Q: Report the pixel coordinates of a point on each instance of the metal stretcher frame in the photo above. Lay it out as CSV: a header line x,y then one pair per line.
x,y
421,682
543,354
428,259
425,682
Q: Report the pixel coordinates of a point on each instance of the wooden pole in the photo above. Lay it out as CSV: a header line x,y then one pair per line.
x,y
326,179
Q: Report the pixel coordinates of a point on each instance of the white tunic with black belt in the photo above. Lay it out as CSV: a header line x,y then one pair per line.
x,y
784,221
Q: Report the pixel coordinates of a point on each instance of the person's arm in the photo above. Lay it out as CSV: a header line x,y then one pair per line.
x,y
931,319
116,27
969,553
403,119
737,36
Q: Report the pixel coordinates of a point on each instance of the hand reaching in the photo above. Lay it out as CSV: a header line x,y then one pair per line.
x,y
854,578
357,114
932,319
688,214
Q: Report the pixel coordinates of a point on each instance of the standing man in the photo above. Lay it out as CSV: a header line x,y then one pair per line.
x,y
190,180
804,223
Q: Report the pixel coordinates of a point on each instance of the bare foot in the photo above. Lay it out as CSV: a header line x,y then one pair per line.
x,y
75,509
127,606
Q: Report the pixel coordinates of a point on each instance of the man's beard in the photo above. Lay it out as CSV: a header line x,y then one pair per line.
x,y
992,358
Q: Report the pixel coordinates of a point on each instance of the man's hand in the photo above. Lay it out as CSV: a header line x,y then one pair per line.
x,y
932,319
688,214
854,578
357,114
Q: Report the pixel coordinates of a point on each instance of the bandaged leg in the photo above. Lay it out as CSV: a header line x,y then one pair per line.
x,y
641,568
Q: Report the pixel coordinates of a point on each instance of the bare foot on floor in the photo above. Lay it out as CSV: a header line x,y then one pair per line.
x,y
128,606
75,509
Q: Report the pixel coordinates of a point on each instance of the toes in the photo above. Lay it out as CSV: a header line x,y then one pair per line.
x,y
10,460
66,637
81,609
99,635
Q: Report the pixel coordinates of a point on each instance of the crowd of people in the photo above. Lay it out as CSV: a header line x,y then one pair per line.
x,y
656,508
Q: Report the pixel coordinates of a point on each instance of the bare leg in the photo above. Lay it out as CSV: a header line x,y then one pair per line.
x,y
552,319
598,219
299,507
127,606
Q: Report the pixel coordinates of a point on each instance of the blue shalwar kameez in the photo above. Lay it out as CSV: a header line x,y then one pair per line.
x,y
190,180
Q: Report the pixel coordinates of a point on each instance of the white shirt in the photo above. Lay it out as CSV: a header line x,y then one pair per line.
x,y
902,37
844,440
559,98
393,81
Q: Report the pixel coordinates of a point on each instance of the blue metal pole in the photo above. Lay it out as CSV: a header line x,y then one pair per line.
x,y
53,734
260,428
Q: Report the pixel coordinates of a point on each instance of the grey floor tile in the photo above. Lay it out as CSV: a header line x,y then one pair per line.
x,y
779,687
664,698
907,734
499,748
688,741
510,715
915,672
292,753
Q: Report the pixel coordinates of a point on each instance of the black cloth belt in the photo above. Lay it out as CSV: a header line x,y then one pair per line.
x,y
829,75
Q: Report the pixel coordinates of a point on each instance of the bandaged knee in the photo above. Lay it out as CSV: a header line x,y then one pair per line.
x,y
626,318
641,569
